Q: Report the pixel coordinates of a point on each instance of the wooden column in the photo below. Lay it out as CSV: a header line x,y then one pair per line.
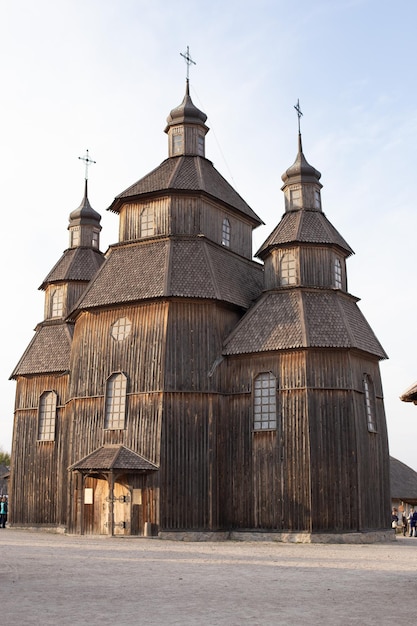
x,y
80,503
111,507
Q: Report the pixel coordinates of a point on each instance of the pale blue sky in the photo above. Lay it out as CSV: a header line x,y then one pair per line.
x,y
103,75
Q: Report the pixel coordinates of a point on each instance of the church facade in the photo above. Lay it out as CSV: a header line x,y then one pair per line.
x,y
176,386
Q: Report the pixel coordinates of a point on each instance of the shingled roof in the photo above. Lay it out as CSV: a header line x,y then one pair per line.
x,y
304,227
76,264
182,267
283,320
186,174
48,352
403,482
113,457
410,394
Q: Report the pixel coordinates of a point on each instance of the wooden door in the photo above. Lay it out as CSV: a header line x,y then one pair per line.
x,y
122,504
137,511
96,506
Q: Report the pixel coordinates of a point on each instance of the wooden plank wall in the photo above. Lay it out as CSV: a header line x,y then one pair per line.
x,y
316,266
373,456
191,409
140,356
142,363
38,487
240,231
333,441
194,341
265,480
188,215
321,470
186,475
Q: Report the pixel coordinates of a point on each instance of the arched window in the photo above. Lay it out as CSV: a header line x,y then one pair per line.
x,y
147,224
57,301
177,143
288,269
115,401
226,232
265,402
337,274
95,238
369,392
47,416
200,145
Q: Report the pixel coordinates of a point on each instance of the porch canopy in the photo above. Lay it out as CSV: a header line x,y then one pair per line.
x,y
112,458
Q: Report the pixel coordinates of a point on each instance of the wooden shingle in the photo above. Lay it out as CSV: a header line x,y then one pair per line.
x,y
186,173
113,457
49,351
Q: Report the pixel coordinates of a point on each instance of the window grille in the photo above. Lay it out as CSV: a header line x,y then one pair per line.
x,y
265,402
47,416
115,401
288,269
337,274
368,387
226,233
147,224
57,302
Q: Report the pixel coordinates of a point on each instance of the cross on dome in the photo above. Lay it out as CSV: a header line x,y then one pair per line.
x,y
189,61
299,114
87,162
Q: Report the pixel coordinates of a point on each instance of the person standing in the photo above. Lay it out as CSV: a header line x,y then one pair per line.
x,y
404,521
412,519
414,522
3,512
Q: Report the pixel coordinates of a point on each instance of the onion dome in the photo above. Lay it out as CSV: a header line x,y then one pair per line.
x,y
301,171
85,214
186,129
186,112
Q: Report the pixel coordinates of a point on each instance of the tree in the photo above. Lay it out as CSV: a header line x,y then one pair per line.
x,y
4,458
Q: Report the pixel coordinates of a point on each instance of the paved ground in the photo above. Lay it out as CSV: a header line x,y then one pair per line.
x,y
66,580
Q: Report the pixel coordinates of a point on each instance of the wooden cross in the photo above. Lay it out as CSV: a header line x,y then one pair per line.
x,y
299,114
87,162
188,60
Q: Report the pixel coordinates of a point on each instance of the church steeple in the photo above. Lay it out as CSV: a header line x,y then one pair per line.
x,y
304,250
84,223
301,180
186,127
78,264
301,184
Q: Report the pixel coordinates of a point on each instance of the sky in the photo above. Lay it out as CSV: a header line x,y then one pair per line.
x,y
103,75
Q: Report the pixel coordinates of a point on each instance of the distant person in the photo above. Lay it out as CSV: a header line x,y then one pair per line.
x,y
394,519
3,512
404,521
412,520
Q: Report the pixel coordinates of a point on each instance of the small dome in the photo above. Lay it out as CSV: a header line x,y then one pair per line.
x,y
84,214
301,169
186,112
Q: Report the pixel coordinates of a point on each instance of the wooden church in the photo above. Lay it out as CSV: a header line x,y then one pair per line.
x,y
176,387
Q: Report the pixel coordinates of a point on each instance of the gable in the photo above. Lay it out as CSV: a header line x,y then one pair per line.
x,y
113,457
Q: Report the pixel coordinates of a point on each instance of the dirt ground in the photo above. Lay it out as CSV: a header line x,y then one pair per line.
x,y
60,579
